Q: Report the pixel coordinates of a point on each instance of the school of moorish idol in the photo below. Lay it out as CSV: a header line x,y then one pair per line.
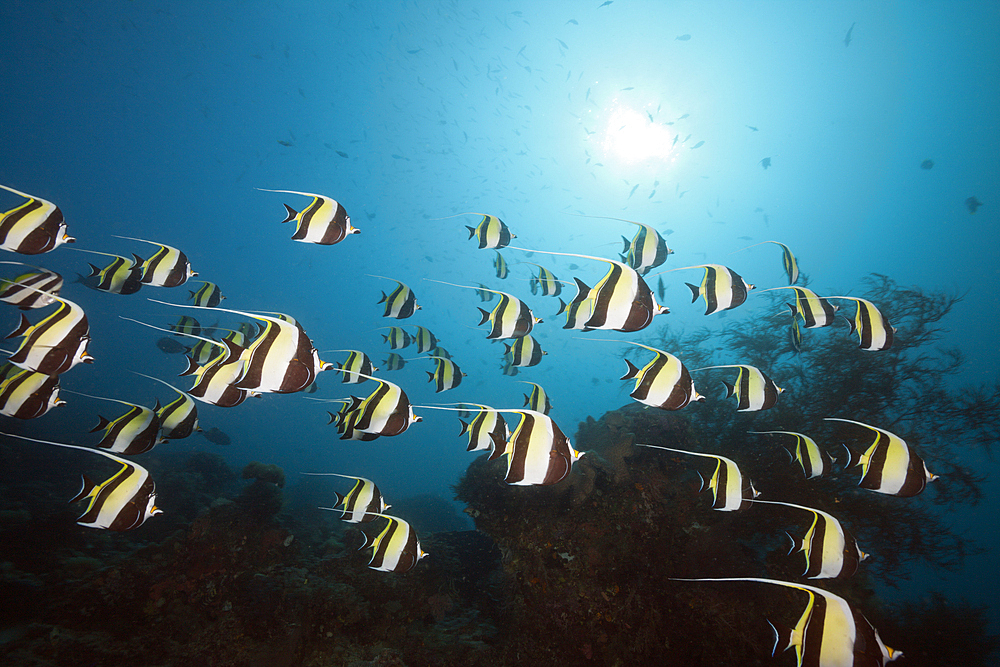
x,y
272,353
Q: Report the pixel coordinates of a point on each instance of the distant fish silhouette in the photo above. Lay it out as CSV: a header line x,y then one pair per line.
x,y
927,164
973,204
752,128
170,346
682,38
766,162
217,436
847,37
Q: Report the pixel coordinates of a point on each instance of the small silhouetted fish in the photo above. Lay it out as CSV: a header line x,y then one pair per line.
x,y
573,267
847,37
342,154
607,2
216,436
562,43
682,38
170,346
629,88
927,164
766,162
573,21
698,145
285,143
745,238
752,128
667,232
973,204
413,51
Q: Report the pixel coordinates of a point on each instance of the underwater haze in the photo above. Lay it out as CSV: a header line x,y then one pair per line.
x,y
863,136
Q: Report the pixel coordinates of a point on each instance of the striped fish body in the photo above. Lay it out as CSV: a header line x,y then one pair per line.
x,y
809,456
208,295
663,383
872,327
789,263
491,233
26,394
398,338
500,265
362,502
135,432
484,294
721,288
214,380
547,282
446,375
830,552
537,400
55,344
358,362
187,325
538,452
323,222
35,227
622,301
179,418
426,341
400,303
580,309
396,548
726,485
120,503
121,276
31,290
168,267
281,360
511,318
646,251
387,411
816,312
889,465
395,362
487,431
524,352
753,390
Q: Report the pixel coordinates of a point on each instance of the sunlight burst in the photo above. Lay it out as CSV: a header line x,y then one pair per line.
x,y
631,136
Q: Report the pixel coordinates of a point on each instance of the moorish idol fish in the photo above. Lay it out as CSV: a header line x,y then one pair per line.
x,y
795,335
395,362
447,375
753,389
788,260
398,338
490,233
32,289
281,359
361,504
187,326
808,454
425,340
400,303
356,361
829,633
721,288
168,267
524,352
508,368
830,551
726,482
122,502
545,281
873,328
645,251
510,318
26,394
538,452
621,300
888,465
386,411
814,310
121,276
537,400
487,431
344,419
500,264
324,221
208,295
178,418
135,432
484,293
57,343
35,227
663,383
441,352
396,548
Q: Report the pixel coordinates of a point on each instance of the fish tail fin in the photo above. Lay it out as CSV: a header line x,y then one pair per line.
x,y
430,376
782,638
730,389
340,499
632,371
292,214
93,270
22,327
704,482
472,231
695,292
465,427
86,489
562,307
192,366
850,323
796,544
486,316
384,297
333,418
628,244
853,458
101,424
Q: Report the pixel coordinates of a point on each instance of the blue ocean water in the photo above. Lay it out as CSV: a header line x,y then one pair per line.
x,y
160,120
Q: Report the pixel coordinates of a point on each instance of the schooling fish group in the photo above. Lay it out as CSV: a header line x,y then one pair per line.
x,y
272,353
